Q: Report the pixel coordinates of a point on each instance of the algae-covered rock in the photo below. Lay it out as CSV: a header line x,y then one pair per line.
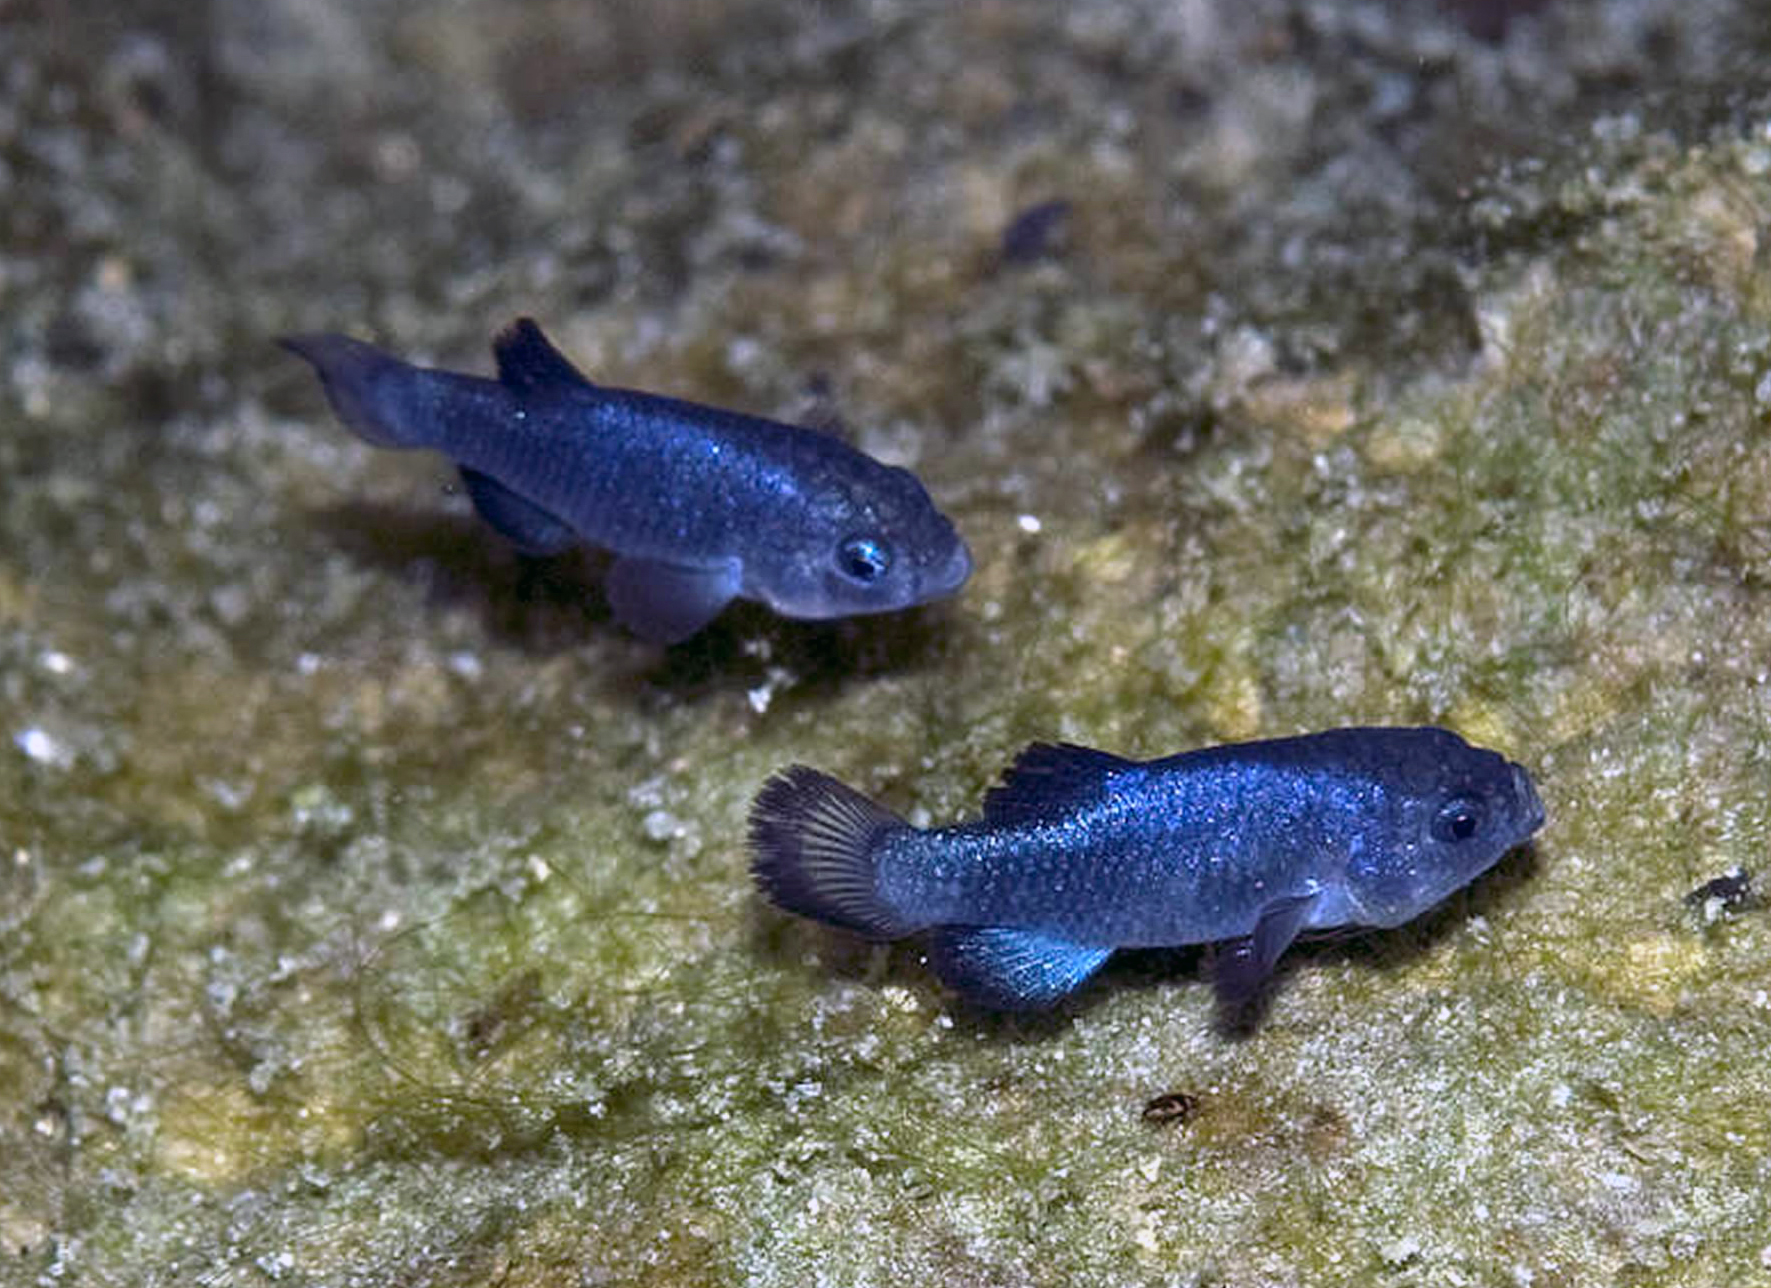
x,y
374,911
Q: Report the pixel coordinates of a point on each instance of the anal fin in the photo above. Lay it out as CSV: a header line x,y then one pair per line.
x,y
667,602
521,522
1010,969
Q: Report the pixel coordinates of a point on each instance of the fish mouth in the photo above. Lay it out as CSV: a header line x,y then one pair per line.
x,y
1530,807
950,574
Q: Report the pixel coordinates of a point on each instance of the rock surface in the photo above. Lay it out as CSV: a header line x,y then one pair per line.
x,y
373,911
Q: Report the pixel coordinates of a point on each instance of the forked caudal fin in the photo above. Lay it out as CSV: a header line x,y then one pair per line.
x,y
815,845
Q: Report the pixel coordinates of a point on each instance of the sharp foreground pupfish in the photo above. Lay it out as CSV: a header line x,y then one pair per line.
x,y
1081,852
699,505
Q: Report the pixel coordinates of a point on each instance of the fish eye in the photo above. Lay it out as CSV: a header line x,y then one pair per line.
x,y
1458,819
863,558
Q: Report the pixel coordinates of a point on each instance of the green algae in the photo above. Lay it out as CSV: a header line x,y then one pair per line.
x,y
375,912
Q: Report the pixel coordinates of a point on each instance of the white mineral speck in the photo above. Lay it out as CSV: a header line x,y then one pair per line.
x,y
274,1265
1399,1252
43,747
776,678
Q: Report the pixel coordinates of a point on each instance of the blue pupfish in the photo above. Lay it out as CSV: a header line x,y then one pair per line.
x,y
1080,852
699,505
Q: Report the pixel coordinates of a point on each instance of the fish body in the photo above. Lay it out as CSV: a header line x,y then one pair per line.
x,y
1080,852
700,505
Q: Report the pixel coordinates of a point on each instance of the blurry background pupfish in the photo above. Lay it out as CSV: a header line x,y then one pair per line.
x,y
1080,852
699,505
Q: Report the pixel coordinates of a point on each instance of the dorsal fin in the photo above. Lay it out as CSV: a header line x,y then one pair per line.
x,y
1049,776
528,363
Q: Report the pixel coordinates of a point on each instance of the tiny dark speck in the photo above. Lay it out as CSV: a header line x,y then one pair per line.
x,y
1171,1107
1036,233
1488,20
69,344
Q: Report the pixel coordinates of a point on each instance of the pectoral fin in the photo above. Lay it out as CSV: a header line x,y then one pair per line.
x,y
1011,970
666,602
1245,963
521,522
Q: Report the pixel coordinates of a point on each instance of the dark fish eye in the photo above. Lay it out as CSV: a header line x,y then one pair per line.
x,y
1458,819
863,558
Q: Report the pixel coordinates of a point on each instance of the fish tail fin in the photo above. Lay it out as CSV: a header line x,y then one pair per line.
x,y
368,389
815,845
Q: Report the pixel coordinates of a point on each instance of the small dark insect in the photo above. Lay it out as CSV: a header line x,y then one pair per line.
x,y
1036,233
1731,892
507,1012
1171,1107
